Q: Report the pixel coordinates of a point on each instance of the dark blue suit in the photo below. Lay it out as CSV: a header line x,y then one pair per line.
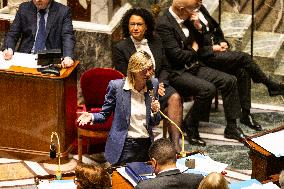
x,y
59,29
118,100
173,179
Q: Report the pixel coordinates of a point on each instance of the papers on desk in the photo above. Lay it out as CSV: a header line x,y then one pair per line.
x,y
203,165
272,142
123,173
57,184
252,184
19,59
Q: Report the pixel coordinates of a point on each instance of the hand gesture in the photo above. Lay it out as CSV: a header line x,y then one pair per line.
x,y
85,118
67,62
161,89
224,45
155,106
7,54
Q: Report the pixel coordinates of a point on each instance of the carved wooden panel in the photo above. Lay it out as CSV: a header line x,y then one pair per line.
x,y
79,12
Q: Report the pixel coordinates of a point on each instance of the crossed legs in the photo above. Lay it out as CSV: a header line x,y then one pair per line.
x,y
172,106
174,112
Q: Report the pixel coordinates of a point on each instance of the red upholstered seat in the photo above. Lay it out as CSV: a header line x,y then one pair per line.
x,y
94,83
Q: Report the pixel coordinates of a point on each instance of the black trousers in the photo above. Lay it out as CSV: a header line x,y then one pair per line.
x,y
203,84
135,149
243,67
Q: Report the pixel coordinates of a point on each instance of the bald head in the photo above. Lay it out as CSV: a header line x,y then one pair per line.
x,y
186,3
184,8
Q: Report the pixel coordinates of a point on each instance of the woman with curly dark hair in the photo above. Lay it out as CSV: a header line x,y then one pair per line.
x,y
145,15
138,29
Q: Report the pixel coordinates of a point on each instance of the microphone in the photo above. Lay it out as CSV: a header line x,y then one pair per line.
x,y
150,88
52,154
52,151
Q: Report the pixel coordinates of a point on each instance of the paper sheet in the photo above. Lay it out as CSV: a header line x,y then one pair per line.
x,y
57,184
269,185
203,165
272,142
19,59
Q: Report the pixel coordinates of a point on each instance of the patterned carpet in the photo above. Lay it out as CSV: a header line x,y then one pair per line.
x,y
14,171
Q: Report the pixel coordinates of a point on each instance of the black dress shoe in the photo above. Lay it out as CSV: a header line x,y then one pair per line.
x,y
275,92
234,133
193,137
250,122
274,88
196,141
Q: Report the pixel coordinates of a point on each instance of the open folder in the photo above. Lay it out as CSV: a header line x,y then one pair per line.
x,y
138,171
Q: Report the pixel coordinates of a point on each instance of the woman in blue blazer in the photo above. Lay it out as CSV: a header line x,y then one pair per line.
x,y
136,111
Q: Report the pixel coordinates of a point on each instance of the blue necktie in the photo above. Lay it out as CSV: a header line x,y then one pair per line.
x,y
40,38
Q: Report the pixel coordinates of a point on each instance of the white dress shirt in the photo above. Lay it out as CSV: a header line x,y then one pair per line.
x,y
180,22
137,127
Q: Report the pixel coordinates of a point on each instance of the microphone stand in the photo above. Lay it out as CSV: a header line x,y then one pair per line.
x,y
150,88
58,171
182,153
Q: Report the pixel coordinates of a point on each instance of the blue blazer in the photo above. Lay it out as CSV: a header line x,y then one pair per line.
x,y
118,100
59,29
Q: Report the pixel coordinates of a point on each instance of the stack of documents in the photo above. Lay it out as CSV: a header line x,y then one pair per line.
x,y
203,165
19,59
272,142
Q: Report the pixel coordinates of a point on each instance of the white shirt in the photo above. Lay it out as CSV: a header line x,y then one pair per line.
x,y
143,45
203,19
180,22
137,127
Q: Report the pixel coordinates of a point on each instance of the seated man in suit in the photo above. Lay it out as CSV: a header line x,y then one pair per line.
x,y
163,159
189,76
215,53
41,24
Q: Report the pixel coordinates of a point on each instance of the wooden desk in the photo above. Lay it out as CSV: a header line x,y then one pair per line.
x,y
4,25
119,182
264,163
32,106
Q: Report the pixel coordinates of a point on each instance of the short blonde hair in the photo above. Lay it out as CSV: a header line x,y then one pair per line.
x,y
281,179
138,61
214,181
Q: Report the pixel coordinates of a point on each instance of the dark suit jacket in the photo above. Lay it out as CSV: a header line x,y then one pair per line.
x,y
59,29
208,38
123,50
118,100
172,179
177,46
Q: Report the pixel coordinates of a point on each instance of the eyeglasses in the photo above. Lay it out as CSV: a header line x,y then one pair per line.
x,y
139,24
